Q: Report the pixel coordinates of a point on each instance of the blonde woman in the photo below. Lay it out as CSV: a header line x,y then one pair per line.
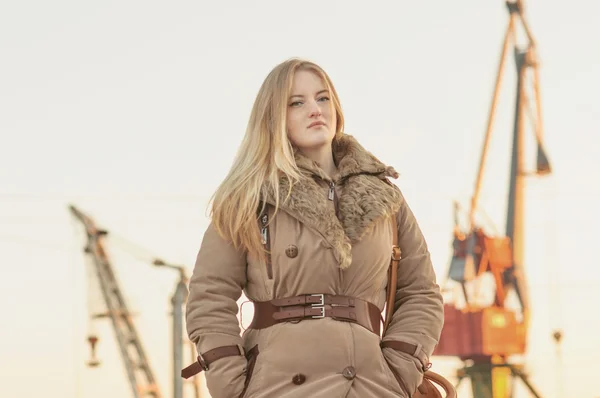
x,y
303,224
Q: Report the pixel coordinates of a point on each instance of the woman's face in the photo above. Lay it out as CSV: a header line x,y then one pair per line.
x,y
311,121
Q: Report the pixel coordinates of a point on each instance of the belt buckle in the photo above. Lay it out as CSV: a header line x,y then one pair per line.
x,y
202,362
321,296
322,314
320,306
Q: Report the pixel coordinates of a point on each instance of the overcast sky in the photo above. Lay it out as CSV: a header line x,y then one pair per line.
x,y
132,110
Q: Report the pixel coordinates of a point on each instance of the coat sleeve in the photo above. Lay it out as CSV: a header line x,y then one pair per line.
x,y
211,311
418,311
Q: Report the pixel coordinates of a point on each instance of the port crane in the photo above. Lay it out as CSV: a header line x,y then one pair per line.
x,y
486,336
137,366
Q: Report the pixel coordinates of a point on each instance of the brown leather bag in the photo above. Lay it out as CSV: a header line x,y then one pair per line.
x,y
427,389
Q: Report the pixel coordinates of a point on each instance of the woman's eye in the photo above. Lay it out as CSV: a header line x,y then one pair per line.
x,y
300,102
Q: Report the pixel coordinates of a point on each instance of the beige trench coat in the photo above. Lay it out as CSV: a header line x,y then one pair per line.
x,y
346,254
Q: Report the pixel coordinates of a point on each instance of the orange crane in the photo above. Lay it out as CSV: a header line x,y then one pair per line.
x,y
486,335
139,372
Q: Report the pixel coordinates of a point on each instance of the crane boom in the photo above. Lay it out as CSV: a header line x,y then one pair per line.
x,y
140,375
486,335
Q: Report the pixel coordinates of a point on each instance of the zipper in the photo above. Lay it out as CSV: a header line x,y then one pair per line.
x,y
267,243
333,197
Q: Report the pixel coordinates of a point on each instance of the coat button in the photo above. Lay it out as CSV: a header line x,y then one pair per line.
x,y
291,251
349,372
298,379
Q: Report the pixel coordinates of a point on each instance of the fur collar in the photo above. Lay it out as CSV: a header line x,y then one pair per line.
x,y
365,196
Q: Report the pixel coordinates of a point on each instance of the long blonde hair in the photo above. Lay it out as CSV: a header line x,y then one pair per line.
x,y
264,156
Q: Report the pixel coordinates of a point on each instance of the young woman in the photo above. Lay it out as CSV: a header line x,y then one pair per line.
x,y
304,224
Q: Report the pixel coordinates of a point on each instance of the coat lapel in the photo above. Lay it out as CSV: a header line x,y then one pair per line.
x,y
365,197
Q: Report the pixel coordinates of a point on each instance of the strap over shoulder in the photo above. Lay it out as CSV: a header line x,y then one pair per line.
x,y
392,275
427,388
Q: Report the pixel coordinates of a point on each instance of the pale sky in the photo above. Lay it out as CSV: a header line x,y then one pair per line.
x,y
133,110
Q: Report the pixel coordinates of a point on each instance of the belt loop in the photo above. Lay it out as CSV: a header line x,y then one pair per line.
x,y
422,357
417,350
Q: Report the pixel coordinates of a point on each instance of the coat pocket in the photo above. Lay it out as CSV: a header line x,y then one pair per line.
x,y
399,379
251,356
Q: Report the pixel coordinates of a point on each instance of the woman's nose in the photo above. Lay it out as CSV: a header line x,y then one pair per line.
x,y
315,111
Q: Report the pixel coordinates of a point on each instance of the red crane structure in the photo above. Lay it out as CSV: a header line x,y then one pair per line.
x,y
486,335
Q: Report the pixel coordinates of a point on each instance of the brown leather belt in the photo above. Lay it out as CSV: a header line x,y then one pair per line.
x,y
308,306
204,360
316,306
